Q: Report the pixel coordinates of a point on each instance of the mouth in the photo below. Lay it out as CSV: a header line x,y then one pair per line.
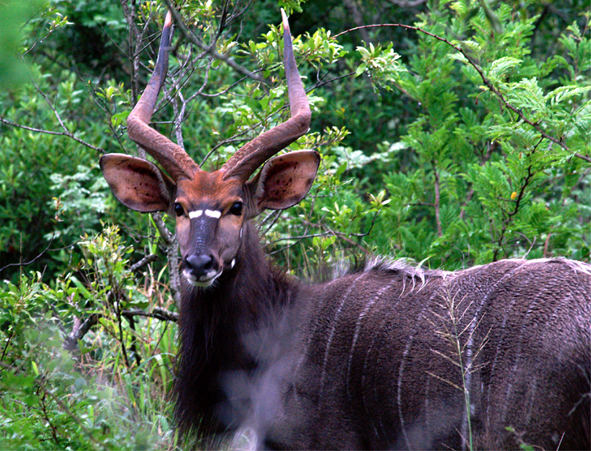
x,y
204,281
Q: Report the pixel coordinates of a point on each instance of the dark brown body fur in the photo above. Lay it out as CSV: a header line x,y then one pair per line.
x,y
369,360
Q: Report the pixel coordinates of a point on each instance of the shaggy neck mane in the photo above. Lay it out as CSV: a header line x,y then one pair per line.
x,y
213,324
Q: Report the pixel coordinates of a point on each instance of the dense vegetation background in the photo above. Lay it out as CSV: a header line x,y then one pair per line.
x,y
458,140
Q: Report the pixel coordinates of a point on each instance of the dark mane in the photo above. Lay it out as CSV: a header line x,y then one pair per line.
x,y
212,325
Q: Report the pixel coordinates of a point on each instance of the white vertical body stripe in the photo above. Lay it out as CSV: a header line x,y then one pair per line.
x,y
210,213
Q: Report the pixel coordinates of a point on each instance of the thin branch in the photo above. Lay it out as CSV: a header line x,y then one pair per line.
x,y
223,91
158,313
143,262
407,3
33,260
210,48
79,330
41,40
172,253
51,132
357,17
330,80
520,195
66,409
301,237
272,217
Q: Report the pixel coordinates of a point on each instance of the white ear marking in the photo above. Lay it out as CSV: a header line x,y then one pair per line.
x,y
241,230
213,213
195,214
232,263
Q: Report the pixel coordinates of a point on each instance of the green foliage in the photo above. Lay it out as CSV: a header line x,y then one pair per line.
x,y
78,200
13,14
474,154
113,394
28,162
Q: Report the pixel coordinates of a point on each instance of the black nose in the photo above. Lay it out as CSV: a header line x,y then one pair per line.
x,y
199,264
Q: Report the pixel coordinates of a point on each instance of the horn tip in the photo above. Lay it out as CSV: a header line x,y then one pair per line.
x,y
285,22
168,19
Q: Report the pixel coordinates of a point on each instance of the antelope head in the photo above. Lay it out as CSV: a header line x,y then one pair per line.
x,y
212,208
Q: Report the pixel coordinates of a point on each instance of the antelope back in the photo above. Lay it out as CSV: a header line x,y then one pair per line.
x,y
399,358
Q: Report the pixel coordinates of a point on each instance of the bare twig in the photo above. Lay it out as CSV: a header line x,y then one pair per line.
x,y
143,262
272,219
66,133
518,199
351,5
210,49
33,260
79,330
408,3
158,313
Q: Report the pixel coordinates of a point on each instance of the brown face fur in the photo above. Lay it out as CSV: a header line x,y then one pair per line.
x,y
210,210
207,234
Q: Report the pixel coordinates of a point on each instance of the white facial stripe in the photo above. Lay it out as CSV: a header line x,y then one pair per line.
x,y
213,213
216,214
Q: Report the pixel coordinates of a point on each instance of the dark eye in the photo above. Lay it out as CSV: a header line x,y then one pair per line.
x,y
236,208
178,209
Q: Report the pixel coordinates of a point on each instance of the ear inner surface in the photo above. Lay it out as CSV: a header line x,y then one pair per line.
x,y
286,179
137,183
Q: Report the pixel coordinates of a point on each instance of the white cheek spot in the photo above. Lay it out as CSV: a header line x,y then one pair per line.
x,y
241,230
213,213
195,214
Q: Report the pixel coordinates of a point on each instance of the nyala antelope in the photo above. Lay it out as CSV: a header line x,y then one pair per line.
x,y
390,356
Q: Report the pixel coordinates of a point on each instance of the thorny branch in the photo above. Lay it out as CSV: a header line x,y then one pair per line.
x,y
484,79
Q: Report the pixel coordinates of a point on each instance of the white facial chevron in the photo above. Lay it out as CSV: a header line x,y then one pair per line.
x,y
216,214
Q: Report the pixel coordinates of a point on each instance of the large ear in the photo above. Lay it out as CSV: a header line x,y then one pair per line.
x,y
137,183
284,180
